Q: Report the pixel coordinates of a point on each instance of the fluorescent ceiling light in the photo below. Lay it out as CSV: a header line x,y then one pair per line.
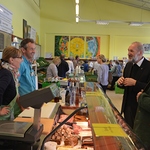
x,y
102,22
77,9
77,1
77,18
136,24
106,22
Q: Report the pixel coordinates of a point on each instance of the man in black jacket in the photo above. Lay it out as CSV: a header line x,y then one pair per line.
x,y
136,75
63,67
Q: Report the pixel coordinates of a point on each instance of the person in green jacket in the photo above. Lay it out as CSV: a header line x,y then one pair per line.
x,y
142,120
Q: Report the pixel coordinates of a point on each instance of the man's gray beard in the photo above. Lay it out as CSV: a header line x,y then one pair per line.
x,y
131,60
134,60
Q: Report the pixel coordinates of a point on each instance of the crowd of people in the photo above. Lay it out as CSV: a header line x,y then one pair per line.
x,y
17,78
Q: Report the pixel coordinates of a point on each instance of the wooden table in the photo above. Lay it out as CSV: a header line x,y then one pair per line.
x,y
47,123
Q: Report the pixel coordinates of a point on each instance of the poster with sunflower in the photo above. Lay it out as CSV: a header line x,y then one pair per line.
x,y
61,45
84,47
77,46
92,46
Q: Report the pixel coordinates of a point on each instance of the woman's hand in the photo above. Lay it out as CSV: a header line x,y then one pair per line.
x,y
4,110
138,94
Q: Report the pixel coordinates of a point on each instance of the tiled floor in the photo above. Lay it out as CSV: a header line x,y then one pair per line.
x,y
115,98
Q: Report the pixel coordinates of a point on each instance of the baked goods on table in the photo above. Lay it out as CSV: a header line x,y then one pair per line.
x,y
71,141
63,117
68,135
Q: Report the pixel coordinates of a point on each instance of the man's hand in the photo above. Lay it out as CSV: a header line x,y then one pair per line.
x,y
120,81
129,82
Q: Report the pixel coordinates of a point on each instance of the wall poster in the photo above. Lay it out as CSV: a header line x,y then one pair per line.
x,y
25,29
77,46
92,46
61,45
83,46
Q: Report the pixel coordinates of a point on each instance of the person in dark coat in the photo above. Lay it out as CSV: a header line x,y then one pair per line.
x,y
142,120
63,67
85,66
9,65
135,77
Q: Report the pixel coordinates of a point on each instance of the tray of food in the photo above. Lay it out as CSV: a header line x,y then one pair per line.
x,y
74,134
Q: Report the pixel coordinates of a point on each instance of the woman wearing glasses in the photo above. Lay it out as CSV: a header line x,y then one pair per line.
x,y
9,65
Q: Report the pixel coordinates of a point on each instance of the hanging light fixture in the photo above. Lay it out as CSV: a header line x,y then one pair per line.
x,y
102,22
77,10
77,1
77,18
136,23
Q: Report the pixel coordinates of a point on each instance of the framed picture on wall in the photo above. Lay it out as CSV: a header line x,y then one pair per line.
x,y
29,31
83,46
146,48
77,46
92,46
61,45
25,29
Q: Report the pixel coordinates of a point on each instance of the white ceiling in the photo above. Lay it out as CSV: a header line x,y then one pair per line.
x,y
94,10
142,4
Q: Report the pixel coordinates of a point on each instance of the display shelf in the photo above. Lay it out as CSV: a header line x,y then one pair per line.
x,y
102,111
103,118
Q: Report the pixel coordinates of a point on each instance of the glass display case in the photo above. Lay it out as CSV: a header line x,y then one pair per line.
x,y
109,129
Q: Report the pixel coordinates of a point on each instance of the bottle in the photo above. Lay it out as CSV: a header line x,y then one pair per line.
x,y
73,94
58,97
77,97
63,95
67,96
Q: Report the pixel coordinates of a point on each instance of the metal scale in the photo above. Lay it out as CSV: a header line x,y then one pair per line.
x,y
24,135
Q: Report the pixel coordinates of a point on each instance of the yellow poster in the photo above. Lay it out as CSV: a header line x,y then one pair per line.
x,y
77,46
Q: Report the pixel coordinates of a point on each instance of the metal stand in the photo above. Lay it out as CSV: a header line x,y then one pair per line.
x,y
37,118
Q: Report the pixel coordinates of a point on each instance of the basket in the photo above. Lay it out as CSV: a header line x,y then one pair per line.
x,y
118,90
89,77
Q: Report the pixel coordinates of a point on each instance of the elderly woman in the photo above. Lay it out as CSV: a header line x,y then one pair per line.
x,y
52,69
9,65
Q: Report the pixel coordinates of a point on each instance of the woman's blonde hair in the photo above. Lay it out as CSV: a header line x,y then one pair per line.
x,y
9,52
56,60
102,57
